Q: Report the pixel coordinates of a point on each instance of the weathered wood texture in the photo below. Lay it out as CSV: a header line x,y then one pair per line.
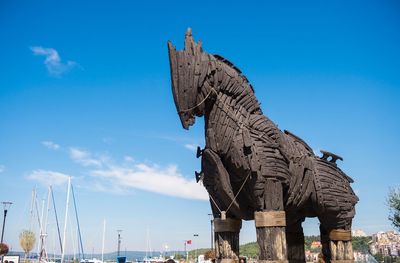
x,y
245,151
341,250
226,238
270,224
340,245
227,245
295,243
272,243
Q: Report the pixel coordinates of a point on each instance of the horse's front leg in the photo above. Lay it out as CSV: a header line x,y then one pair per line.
x,y
270,225
226,226
226,239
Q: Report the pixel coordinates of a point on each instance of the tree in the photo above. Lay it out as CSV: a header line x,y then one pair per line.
x,y
394,206
361,244
178,256
378,257
3,249
27,241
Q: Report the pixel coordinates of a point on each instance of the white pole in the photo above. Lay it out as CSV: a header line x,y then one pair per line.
x,y
40,243
45,223
32,207
66,219
102,246
72,238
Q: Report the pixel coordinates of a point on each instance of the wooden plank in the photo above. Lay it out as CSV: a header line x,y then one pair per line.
x,y
183,102
333,249
340,250
203,73
272,243
348,251
226,245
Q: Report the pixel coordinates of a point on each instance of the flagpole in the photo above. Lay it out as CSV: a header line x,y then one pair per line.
x,y
187,254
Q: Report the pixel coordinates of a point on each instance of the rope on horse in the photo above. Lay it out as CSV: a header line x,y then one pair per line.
x,y
201,102
233,200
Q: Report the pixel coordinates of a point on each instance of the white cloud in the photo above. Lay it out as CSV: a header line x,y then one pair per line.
x,y
83,157
128,158
51,145
191,147
109,176
53,61
102,173
2,168
166,181
48,177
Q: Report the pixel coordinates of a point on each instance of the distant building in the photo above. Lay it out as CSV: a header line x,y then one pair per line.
x,y
358,233
386,243
311,256
316,244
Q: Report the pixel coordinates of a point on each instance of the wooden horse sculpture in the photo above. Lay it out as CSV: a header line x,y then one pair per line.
x,y
254,171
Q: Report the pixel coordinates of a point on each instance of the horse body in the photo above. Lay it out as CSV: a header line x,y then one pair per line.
x,y
245,151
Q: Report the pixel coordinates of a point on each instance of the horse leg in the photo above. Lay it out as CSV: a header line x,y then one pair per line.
x,y
270,225
226,227
226,239
336,242
324,238
295,242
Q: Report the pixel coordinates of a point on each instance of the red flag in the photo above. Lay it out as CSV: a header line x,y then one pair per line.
x,y
189,242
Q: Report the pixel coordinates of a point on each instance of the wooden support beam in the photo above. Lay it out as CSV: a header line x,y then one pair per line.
x,y
226,239
341,247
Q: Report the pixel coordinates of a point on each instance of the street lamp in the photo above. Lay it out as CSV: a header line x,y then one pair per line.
x,y
6,206
119,241
211,230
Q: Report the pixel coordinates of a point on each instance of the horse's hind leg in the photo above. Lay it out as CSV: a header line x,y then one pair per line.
x,y
295,242
270,225
336,240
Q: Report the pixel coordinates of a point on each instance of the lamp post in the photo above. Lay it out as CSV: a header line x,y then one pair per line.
x,y
211,230
119,241
6,206
186,253
195,248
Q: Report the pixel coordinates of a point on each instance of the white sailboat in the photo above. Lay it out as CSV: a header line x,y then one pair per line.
x,y
151,259
42,214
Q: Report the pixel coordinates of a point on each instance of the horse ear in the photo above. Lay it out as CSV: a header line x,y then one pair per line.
x,y
189,43
190,46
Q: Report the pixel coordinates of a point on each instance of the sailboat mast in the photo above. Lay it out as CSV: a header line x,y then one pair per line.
x,y
43,250
32,207
55,211
40,226
77,222
102,246
65,221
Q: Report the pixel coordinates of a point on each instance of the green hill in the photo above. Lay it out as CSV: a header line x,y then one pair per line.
x,y
251,249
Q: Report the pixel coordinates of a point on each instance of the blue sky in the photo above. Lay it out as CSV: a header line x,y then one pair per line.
x,y
85,92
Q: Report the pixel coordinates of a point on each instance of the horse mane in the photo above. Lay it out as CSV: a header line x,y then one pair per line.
x,y
231,65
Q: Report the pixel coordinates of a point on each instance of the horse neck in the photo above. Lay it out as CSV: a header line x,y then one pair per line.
x,y
229,87
233,103
230,98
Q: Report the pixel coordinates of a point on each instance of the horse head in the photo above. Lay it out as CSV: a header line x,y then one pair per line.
x,y
189,69
198,77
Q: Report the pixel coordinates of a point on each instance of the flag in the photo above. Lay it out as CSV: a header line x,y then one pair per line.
x,y
189,242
